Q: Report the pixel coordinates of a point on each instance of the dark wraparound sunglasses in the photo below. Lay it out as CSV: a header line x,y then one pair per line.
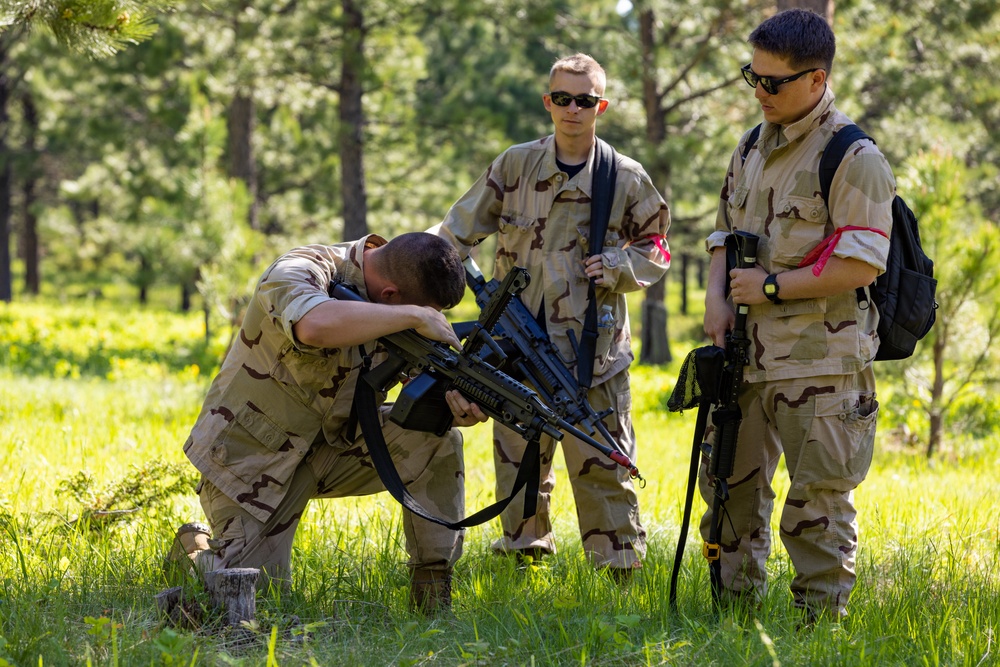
x,y
562,99
769,83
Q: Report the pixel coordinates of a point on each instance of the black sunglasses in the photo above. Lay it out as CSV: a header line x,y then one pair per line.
x,y
562,99
769,83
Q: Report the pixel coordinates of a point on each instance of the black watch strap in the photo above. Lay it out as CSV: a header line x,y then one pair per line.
x,y
770,288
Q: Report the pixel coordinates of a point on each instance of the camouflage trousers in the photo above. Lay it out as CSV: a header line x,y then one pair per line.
x,y
431,467
825,426
606,505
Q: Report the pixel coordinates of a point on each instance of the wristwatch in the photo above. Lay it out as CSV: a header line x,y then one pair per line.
x,y
771,288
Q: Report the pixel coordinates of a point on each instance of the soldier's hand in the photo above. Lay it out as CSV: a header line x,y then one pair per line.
x,y
594,268
719,318
465,411
435,326
746,285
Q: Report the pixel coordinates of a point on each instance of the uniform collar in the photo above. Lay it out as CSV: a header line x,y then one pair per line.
x,y
354,272
820,113
549,168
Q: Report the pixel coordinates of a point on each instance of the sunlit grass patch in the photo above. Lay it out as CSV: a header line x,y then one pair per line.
x,y
75,587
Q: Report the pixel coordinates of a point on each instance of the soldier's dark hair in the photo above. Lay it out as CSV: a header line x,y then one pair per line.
x,y
426,269
800,36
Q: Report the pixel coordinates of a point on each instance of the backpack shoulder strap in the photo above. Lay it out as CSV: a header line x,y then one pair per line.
x,y
603,194
833,155
751,140
602,198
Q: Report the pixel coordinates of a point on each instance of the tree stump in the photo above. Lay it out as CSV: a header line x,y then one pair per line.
x,y
234,590
168,603
179,608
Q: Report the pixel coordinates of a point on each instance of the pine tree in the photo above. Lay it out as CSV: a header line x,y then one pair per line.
x,y
98,28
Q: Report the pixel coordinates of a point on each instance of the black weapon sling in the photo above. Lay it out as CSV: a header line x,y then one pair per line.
x,y
698,387
366,409
602,198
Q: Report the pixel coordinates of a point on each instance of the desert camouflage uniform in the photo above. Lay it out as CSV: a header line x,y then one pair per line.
x,y
810,389
543,224
273,431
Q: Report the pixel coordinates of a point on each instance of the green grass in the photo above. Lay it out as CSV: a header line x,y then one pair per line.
x,y
107,391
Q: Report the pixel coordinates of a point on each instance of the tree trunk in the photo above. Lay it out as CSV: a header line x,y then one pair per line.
x,y
242,164
822,7
655,340
352,121
143,278
6,292
685,260
206,312
655,343
29,238
186,291
937,393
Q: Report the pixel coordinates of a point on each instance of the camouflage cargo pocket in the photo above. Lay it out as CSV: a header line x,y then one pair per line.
x,y
517,234
837,451
253,443
801,225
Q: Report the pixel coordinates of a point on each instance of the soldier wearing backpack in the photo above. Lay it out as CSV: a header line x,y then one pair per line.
x,y
809,389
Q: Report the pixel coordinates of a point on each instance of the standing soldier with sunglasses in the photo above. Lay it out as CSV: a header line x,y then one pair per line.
x,y
537,198
809,390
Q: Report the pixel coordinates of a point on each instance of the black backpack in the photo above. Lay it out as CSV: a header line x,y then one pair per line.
x,y
904,294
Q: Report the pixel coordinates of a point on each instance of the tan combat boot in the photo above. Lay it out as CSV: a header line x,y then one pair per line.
x,y
181,608
430,591
189,541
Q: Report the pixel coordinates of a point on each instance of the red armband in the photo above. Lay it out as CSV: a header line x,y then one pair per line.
x,y
658,242
821,253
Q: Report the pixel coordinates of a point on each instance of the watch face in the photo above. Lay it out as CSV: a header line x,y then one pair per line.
x,y
770,289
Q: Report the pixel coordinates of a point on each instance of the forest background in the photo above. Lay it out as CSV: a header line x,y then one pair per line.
x,y
149,147
233,131
162,155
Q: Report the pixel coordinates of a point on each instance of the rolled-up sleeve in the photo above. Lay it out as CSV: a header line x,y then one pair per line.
x,y
294,284
644,256
861,195
723,223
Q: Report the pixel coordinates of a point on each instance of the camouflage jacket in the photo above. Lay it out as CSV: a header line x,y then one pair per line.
x,y
274,397
776,195
543,220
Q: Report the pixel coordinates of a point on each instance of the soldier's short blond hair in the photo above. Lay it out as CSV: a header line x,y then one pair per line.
x,y
580,63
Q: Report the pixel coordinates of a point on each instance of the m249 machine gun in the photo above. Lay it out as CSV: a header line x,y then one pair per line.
x,y
431,368
537,360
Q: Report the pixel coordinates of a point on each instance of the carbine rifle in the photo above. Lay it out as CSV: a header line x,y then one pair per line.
x,y
711,378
